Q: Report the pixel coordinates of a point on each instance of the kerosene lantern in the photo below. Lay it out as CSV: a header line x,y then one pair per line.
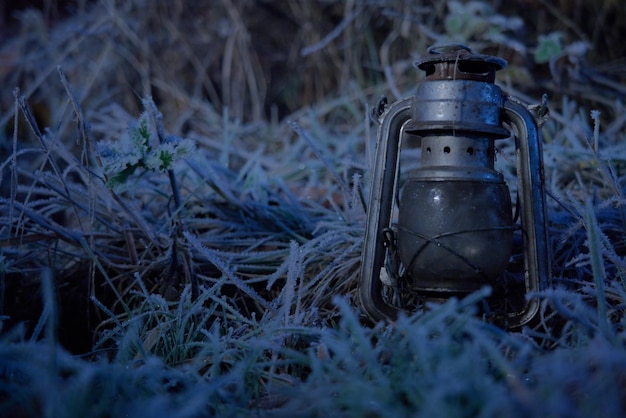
x,y
455,230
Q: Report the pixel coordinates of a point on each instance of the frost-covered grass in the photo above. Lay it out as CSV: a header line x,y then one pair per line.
x,y
181,234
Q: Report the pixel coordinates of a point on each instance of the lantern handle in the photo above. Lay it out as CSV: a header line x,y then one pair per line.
x,y
393,118
532,196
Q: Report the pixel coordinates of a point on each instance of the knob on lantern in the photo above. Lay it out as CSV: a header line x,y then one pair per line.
x,y
455,229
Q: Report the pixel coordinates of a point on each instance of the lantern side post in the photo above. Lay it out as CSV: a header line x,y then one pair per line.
x,y
379,210
532,196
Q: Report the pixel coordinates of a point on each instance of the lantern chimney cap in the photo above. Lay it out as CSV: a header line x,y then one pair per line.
x,y
456,61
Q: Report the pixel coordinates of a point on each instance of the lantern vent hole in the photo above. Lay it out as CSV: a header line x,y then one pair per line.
x,y
470,151
429,69
446,150
475,67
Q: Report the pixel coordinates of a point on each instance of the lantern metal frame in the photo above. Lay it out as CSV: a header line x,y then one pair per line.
x,y
522,121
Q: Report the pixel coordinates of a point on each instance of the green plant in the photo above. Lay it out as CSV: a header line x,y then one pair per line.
x,y
137,150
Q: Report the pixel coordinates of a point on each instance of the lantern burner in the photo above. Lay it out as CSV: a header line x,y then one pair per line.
x,y
458,94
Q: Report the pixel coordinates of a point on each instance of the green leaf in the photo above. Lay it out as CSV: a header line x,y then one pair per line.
x,y
122,176
140,135
167,158
455,23
549,47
